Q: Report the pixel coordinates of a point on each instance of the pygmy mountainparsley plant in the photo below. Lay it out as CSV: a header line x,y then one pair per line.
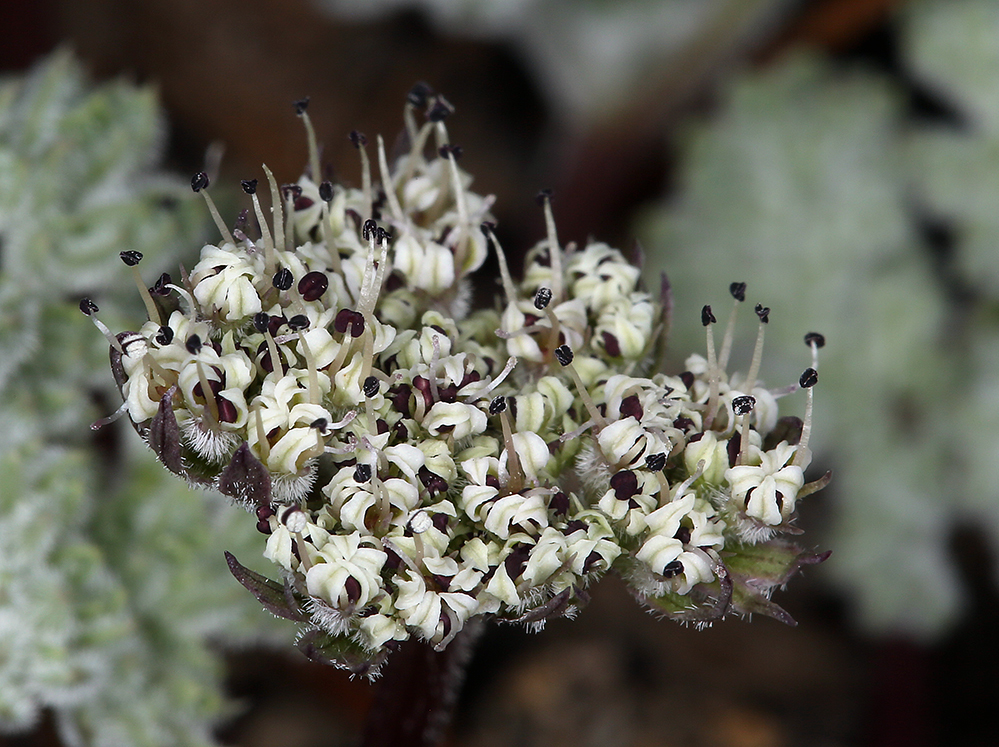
x,y
415,464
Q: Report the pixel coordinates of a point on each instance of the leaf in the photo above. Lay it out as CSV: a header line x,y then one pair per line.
x,y
756,570
341,652
245,479
770,564
164,435
704,604
277,599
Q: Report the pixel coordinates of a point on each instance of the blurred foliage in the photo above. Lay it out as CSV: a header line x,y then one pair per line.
x,y
864,202
111,579
588,56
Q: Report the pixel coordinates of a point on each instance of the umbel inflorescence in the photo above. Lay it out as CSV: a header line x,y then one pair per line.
x,y
416,464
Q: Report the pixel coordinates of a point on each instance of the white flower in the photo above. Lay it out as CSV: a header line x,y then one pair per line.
x,y
223,283
429,265
456,418
347,575
769,490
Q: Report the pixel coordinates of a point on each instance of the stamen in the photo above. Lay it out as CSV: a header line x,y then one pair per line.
x,y
572,435
270,262
419,523
554,251
277,211
132,258
206,390
310,362
542,302
373,276
359,141
511,363
415,99
656,463
707,319
265,446
814,340
199,183
416,151
459,193
514,472
326,195
440,111
807,381
261,321
508,287
682,487
294,518
563,354
89,308
435,359
763,312
300,109
393,199
742,407
116,415
738,291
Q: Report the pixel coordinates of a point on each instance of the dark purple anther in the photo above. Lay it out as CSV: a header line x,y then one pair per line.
x,y
656,462
440,110
199,181
542,298
160,286
349,319
164,336
563,353
298,322
362,473
419,94
816,339
313,286
673,568
611,345
283,279
624,484
742,405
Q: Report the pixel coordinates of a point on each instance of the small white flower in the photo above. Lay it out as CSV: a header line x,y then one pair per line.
x,y
348,572
454,418
769,490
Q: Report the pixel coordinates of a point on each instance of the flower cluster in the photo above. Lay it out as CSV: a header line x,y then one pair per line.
x,y
415,464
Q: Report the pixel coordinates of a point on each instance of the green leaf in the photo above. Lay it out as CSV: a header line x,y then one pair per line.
x,y
276,599
341,652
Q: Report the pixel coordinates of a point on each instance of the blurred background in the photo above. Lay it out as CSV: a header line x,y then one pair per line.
x,y
839,156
